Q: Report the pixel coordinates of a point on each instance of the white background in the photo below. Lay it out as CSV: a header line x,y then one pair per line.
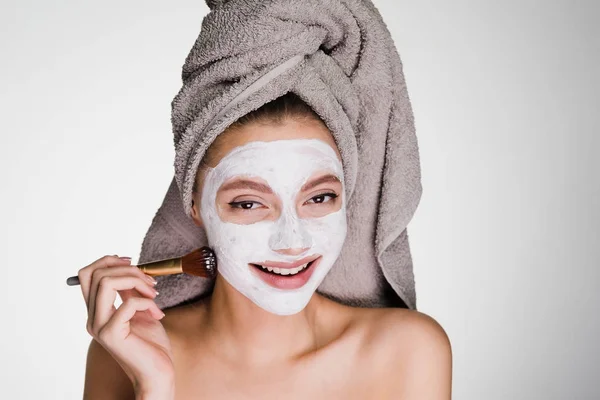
x,y
505,241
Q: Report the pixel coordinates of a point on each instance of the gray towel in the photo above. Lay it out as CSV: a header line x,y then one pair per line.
x,y
340,58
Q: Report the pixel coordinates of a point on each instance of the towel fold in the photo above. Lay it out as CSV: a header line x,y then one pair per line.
x,y
339,57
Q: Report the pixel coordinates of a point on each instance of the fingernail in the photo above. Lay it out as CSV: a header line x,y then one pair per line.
x,y
125,258
156,291
151,280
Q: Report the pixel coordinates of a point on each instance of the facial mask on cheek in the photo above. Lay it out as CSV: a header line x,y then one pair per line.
x,y
285,165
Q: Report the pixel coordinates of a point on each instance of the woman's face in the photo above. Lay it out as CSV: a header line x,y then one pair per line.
x,y
272,203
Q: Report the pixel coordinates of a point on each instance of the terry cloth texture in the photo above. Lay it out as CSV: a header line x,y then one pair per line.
x,y
339,57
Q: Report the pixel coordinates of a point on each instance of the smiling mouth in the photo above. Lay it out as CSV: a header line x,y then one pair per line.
x,y
284,271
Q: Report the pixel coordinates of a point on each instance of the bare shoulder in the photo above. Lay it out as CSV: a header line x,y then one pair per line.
x,y
104,377
410,331
412,350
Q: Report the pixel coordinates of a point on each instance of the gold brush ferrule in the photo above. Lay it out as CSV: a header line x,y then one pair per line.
x,y
162,267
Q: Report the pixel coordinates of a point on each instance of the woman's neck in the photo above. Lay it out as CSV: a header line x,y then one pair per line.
x,y
246,333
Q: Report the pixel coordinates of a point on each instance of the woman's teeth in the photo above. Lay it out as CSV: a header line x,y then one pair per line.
x,y
284,271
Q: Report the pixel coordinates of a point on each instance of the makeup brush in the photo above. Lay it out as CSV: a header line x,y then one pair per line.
x,y
201,262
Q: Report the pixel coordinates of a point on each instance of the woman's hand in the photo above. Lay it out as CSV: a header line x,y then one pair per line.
x,y
132,334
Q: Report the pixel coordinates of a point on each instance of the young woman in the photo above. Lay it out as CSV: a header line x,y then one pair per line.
x,y
270,192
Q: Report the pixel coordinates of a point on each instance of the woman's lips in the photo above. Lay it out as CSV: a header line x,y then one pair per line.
x,y
286,281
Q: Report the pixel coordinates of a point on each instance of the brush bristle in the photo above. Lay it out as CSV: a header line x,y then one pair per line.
x,y
200,262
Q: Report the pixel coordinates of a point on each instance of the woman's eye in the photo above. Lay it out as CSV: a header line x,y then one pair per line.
x,y
322,198
245,205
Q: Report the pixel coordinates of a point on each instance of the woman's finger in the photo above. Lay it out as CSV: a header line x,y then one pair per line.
x,y
85,273
107,293
125,294
118,326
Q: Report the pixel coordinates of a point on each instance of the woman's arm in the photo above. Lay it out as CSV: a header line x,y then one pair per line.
x,y
104,377
424,360
429,369
413,356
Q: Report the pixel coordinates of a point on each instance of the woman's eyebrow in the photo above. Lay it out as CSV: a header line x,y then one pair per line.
x,y
247,184
323,179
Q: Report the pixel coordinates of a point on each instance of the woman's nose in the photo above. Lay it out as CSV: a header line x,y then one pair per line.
x,y
292,252
290,237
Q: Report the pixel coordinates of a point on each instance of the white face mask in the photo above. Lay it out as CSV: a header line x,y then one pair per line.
x,y
285,165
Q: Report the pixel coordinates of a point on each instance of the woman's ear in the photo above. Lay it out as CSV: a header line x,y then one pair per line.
x,y
196,214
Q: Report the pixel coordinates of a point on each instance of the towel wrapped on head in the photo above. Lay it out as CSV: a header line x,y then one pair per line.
x,y
339,57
